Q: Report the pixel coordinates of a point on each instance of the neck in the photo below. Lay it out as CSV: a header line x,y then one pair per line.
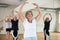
x,y
30,20
14,19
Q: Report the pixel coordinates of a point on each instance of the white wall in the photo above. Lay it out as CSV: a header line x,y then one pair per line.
x,y
43,3
3,13
59,21
40,24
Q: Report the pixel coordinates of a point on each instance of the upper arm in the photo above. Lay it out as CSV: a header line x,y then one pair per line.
x,y
50,21
20,12
38,17
43,19
39,14
21,17
51,18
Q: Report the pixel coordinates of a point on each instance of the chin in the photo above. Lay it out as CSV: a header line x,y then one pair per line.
x,y
28,18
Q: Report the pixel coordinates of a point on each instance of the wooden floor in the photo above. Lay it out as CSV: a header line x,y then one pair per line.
x,y
54,36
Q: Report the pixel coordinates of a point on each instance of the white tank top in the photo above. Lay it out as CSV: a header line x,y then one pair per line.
x,y
8,25
29,28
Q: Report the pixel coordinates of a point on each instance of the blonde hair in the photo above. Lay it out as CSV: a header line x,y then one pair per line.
x,y
7,19
28,12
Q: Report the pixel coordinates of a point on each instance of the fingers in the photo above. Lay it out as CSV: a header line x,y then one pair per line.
x,y
16,11
25,3
49,14
35,4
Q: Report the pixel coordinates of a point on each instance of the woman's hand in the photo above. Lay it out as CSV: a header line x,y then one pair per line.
x,y
35,4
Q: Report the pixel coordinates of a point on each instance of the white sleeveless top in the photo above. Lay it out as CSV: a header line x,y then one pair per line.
x,y
8,25
29,28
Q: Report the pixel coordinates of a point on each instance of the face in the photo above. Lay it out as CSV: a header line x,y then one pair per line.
x,y
15,18
47,19
8,18
29,15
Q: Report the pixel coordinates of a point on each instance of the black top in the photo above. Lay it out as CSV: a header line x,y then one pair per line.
x,y
14,24
46,25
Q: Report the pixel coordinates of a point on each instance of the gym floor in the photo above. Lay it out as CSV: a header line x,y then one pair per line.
x,y
54,36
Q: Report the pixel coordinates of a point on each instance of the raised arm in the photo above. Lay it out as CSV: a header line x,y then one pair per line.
x,y
51,17
39,12
21,17
44,16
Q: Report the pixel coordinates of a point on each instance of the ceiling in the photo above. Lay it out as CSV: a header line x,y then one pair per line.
x,y
11,2
42,3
